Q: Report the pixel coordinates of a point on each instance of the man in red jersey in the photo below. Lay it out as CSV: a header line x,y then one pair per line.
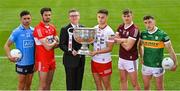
x,y
128,36
46,40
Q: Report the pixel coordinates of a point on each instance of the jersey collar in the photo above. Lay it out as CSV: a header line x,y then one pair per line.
x,y
156,28
128,26
101,28
23,28
43,24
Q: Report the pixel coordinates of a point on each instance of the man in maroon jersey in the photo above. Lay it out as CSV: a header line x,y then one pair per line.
x,y
128,36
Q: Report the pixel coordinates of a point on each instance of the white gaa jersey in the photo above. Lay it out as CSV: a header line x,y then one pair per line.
x,y
102,37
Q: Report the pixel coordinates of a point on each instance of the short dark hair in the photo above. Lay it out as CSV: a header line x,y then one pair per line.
x,y
103,11
126,11
45,9
72,10
147,17
24,12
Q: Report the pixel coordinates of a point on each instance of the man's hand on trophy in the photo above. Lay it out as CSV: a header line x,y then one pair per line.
x,y
92,53
74,52
56,39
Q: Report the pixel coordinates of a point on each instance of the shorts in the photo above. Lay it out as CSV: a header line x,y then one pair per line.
x,y
45,66
154,71
25,70
101,69
128,65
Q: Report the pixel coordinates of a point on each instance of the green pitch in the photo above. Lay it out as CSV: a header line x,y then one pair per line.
x,y
166,13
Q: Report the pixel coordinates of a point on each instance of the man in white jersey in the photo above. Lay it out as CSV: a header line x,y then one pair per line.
x,y
101,65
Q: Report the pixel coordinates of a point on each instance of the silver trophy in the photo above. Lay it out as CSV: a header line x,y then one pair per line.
x,y
84,36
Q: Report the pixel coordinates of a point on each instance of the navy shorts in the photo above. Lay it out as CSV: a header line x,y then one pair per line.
x,y
29,69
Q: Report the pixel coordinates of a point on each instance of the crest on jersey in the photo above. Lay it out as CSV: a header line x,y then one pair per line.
x,y
28,35
127,33
156,37
49,30
46,31
102,35
124,32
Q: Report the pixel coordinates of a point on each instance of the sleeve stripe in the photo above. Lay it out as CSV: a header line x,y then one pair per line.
x,y
167,42
135,33
37,41
39,33
110,40
132,38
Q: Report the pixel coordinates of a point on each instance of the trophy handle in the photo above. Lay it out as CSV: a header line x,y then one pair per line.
x,y
69,29
70,39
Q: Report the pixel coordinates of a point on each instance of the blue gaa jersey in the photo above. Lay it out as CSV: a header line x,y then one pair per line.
x,y
24,41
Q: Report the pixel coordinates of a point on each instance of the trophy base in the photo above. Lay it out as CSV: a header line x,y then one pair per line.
x,y
83,52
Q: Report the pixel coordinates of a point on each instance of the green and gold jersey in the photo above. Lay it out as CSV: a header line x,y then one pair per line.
x,y
153,47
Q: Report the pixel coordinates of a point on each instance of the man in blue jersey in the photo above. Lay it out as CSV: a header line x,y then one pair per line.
x,y
23,38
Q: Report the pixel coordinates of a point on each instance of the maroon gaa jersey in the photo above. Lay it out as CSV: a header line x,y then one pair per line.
x,y
131,32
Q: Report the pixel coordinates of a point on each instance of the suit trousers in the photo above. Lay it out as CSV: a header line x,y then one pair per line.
x,y
74,76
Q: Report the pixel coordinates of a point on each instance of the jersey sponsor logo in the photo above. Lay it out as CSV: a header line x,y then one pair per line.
x,y
28,43
144,36
153,44
102,41
150,36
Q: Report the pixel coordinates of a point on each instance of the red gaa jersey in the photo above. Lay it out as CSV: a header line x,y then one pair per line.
x,y
42,31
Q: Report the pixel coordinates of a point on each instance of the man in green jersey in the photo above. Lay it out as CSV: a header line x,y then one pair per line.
x,y
152,43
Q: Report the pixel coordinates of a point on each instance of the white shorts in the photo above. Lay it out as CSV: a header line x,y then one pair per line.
x,y
128,65
154,71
